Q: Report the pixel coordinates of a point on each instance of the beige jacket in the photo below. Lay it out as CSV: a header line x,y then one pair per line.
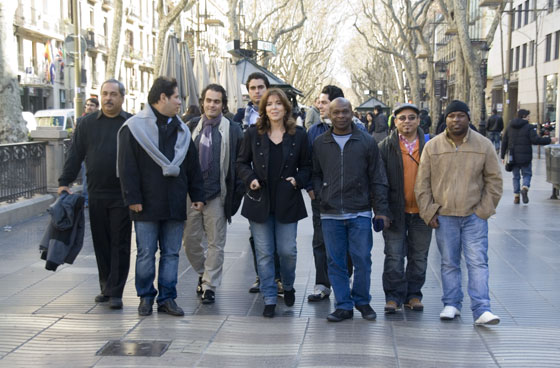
x,y
458,181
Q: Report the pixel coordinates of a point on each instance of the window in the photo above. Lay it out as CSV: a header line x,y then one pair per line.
x,y
510,59
548,50
517,58
524,56
550,6
519,16
557,45
526,14
531,53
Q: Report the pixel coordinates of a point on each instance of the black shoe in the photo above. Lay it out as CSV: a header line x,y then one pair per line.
x,y
170,307
340,315
289,297
208,297
145,307
256,287
367,312
101,298
525,195
269,310
317,297
199,290
115,302
280,287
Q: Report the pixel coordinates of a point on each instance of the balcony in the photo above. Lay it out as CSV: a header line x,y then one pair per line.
x,y
30,20
107,5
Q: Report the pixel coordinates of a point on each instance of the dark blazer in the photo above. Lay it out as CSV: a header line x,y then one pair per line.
x,y
252,163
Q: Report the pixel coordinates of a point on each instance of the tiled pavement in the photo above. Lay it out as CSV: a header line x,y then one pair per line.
x,y
49,318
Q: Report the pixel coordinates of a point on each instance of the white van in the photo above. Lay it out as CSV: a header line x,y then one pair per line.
x,y
60,118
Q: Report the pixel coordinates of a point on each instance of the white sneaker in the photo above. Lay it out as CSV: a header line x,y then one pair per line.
x,y
487,318
449,312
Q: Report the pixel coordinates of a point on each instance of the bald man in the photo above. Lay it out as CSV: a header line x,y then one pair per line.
x,y
349,180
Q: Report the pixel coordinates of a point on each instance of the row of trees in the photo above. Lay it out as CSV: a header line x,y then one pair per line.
x,y
399,38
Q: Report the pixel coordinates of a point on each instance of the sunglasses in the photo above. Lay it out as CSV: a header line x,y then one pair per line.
x,y
409,117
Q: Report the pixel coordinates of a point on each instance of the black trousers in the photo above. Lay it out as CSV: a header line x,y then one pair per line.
x,y
110,230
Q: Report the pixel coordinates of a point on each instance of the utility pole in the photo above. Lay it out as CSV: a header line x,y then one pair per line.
x,y
506,109
78,101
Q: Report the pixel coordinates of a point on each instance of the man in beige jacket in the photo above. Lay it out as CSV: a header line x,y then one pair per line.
x,y
458,187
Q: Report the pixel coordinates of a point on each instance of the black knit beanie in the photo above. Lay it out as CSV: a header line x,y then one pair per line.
x,y
457,105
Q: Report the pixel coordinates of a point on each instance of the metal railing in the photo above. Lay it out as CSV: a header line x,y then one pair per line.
x,y
23,170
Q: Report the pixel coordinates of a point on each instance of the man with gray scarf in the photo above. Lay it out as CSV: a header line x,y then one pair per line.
x,y
217,140
158,166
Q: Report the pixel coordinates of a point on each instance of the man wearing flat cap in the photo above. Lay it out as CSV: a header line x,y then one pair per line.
x,y
458,187
408,237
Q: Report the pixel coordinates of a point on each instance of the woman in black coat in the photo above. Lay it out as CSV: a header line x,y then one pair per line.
x,y
275,164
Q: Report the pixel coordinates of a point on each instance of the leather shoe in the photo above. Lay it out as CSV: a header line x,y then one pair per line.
x,y
115,302
269,310
101,298
318,296
145,307
289,297
208,297
170,307
367,312
340,315
415,304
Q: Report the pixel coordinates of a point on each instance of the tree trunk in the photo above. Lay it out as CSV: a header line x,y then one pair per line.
x,y
116,50
12,125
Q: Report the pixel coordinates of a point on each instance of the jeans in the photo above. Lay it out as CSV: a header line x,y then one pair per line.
x,y
496,138
410,240
352,236
527,173
269,237
470,235
168,234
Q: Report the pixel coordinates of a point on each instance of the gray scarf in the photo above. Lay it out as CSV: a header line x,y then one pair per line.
x,y
205,144
144,129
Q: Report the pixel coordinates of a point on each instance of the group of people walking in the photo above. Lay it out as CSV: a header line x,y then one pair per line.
x,y
181,183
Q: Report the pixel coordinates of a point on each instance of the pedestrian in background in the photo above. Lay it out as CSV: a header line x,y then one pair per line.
x,y
274,164
380,128
494,129
518,142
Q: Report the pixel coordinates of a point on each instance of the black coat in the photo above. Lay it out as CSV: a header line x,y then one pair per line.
x,y
390,151
495,123
142,180
521,136
252,163
235,187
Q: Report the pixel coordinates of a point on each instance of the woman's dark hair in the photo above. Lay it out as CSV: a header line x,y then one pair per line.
x,y
216,88
263,123
161,85
369,113
193,110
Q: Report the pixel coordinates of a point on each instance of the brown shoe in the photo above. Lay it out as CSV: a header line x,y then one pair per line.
x,y
391,307
516,199
415,304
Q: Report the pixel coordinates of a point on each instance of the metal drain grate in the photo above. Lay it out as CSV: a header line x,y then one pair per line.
x,y
146,348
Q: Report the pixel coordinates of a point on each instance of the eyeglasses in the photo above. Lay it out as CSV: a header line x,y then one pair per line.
x,y
409,117
257,198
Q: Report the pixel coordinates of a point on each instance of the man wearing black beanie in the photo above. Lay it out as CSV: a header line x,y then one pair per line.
x,y
458,187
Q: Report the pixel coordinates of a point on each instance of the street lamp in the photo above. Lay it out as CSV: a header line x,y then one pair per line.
x,y
440,83
484,49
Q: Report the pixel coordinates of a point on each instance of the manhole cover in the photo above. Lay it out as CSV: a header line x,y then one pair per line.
x,y
149,348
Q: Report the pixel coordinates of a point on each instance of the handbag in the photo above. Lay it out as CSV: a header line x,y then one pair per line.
x,y
509,157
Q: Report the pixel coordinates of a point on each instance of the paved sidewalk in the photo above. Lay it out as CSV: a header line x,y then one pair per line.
x,y
49,319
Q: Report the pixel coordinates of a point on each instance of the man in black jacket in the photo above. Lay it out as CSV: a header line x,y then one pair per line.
x,y
158,166
217,140
95,140
518,140
494,129
349,180
408,237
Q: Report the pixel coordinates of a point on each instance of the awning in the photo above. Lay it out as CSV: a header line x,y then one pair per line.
x,y
245,67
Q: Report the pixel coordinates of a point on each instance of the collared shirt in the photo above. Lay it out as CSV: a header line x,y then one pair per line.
x,y
251,114
450,140
409,145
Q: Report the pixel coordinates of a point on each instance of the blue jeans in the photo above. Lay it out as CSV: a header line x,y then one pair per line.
x,y
496,138
169,235
470,235
271,236
526,171
352,236
410,240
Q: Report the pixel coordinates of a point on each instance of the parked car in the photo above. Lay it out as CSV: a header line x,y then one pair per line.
x,y
30,121
60,118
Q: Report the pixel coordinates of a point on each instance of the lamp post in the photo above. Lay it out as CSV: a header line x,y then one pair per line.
x,y
440,87
484,49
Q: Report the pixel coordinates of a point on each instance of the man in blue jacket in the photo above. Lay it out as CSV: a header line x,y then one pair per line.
x,y
158,166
